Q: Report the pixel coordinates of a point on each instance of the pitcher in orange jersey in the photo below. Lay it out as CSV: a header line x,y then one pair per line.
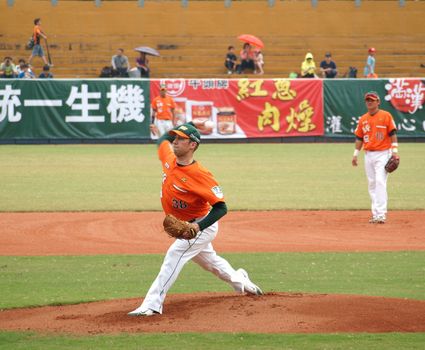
x,y
376,133
190,192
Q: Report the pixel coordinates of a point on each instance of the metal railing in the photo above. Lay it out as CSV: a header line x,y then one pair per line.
x,y
227,3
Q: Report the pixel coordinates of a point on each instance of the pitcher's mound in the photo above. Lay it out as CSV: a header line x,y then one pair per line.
x,y
224,312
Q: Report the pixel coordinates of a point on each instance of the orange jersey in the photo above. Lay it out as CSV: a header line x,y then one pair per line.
x,y
163,107
36,34
375,129
188,192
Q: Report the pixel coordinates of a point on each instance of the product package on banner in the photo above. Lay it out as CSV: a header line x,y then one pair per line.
x,y
246,108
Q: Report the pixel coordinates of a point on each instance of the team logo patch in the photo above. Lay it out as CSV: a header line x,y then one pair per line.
x,y
217,191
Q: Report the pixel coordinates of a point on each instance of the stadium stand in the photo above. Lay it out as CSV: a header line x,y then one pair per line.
x,y
192,40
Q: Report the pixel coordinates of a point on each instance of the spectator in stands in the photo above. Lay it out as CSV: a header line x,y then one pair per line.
x,y
20,65
106,72
37,35
328,67
369,69
231,59
26,73
259,62
120,64
352,72
308,67
247,59
19,69
8,68
45,74
142,64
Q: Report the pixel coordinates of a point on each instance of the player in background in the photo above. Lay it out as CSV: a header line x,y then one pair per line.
x,y
190,192
376,133
163,107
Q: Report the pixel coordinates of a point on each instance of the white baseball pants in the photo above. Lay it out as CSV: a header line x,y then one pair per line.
x,y
163,126
201,251
377,180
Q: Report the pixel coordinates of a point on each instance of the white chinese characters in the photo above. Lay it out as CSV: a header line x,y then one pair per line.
x,y
125,103
8,101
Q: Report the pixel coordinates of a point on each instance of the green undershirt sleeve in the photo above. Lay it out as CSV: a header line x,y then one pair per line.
x,y
218,210
165,137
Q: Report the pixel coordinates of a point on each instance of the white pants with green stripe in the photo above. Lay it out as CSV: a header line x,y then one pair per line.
x,y
201,251
377,180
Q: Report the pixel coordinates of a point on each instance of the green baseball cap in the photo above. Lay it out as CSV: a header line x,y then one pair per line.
x,y
187,131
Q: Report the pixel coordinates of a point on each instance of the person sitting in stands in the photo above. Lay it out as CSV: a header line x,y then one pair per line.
x,y
142,64
259,62
230,62
19,67
247,59
308,67
328,67
120,64
26,72
8,69
45,74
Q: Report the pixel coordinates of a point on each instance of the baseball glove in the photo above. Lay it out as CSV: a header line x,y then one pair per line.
x,y
178,228
392,163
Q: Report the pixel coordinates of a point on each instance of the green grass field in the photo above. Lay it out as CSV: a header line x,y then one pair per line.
x,y
35,281
253,176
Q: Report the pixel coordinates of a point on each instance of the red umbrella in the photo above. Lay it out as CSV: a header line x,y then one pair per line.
x,y
251,39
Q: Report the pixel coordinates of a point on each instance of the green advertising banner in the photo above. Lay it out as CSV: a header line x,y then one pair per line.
x,y
74,109
344,104
120,108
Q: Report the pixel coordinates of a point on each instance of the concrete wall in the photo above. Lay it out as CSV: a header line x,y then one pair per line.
x,y
206,18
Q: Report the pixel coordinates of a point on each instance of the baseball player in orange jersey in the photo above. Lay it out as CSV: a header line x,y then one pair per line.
x,y
376,133
163,107
190,193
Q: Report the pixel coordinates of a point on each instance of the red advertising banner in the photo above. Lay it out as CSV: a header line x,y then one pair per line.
x,y
239,108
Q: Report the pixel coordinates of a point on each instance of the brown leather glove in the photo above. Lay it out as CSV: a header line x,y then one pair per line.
x,y
392,163
178,228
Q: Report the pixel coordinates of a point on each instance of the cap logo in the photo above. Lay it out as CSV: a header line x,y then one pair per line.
x,y
182,127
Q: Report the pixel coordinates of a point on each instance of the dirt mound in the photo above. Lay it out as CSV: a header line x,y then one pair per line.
x,y
224,312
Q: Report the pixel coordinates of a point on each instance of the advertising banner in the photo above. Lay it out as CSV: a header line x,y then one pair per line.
x,y
404,98
247,108
74,109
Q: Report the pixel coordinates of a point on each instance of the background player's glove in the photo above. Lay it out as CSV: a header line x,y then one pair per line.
x,y
392,163
178,228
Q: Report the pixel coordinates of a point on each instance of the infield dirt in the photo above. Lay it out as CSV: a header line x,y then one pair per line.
x,y
274,231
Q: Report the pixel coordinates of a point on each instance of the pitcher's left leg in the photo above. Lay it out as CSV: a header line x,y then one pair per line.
x,y
179,253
